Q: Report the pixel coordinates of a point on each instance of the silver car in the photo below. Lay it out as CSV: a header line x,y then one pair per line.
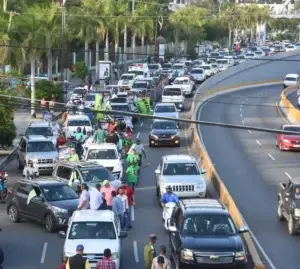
x,y
183,174
38,149
168,110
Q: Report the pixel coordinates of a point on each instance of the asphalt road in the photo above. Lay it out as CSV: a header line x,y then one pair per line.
x,y
24,243
251,166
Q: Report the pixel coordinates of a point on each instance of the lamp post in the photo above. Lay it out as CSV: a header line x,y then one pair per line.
x,y
63,22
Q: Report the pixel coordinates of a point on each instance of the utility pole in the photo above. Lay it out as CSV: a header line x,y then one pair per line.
x,y
63,22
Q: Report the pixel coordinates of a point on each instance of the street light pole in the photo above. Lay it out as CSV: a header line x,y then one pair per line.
x,y
63,18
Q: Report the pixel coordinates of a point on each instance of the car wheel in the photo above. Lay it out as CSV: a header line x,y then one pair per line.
x,y
19,164
279,211
291,226
157,191
49,223
13,214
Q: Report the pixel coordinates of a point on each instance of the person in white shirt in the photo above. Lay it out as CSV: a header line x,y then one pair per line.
x,y
84,199
96,198
162,253
89,141
124,199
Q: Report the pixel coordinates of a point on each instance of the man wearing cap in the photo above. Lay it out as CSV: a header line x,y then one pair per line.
x,y
149,251
107,189
77,261
162,254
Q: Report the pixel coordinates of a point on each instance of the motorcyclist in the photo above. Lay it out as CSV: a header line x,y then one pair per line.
x,y
169,196
30,171
140,150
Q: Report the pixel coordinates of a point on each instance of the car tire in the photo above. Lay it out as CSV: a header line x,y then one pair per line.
x,y
50,223
279,211
13,214
20,167
291,225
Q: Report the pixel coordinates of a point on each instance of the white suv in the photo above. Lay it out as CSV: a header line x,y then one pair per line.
x,y
107,155
96,231
75,121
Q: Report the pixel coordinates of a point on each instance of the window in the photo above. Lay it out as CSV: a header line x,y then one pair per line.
x,y
164,125
181,81
290,79
96,175
24,188
172,92
64,172
91,97
124,108
92,230
45,131
136,72
79,91
102,154
206,67
139,85
198,71
127,77
59,193
153,66
203,224
180,169
79,123
166,109
292,129
41,146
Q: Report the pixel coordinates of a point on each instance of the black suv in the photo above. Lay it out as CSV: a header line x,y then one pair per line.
x,y
47,201
202,234
289,204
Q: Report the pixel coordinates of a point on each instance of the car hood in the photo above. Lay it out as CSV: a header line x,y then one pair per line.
x,y
91,245
108,163
189,179
292,137
66,204
168,115
213,243
164,131
43,155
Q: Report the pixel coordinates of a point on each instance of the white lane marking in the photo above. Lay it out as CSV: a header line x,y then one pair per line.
x,y
135,251
44,252
258,142
288,175
241,115
249,132
132,213
262,250
142,123
138,135
271,157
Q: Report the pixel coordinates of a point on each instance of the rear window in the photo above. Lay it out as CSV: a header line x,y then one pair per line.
x,y
199,71
214,54
290,79
153,66
128,77
139,85
172,92
79,123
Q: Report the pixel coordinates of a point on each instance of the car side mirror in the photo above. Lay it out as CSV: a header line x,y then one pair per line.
x,y
123,234
61,234
76,181
243,229
157,171
172,229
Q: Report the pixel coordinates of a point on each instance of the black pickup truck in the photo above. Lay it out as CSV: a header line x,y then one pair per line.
x,y
289,204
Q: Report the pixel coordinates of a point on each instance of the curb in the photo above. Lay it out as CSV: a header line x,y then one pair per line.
x,y
291,112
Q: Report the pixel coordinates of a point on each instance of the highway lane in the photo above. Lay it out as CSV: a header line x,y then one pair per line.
x,y
26,241
255,166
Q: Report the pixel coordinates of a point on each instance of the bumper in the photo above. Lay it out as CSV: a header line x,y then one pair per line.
x,y
164,141
193,264
45,168
191,194
289,146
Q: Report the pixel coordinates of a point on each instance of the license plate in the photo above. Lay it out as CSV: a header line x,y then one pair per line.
x,y
296,146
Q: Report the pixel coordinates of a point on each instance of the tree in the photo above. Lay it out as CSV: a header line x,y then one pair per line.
x,y
81,70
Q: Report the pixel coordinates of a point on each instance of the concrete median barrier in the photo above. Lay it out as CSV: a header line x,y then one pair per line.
x,y
291,112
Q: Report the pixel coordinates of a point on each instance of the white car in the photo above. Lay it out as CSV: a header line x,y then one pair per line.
x,y
259,53
290,48
179,67
215,68
126,80
207,69
173,94
187,85
75,121
107,155
250,55
198,74
223,64
96,230
290,79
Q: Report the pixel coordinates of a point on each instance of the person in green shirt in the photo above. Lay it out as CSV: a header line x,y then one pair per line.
x,y
79,136
99,135
149,251
73,156
132,174
132,156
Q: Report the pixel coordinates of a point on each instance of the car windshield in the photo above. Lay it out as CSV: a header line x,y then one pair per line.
x,y
199,71
167,66
73,123
40,146
204,224
222,62
292,129
102,154
59,193
92,230
45,131
290,79
172,92
164,125
136,72
250,54
181,81
96,175
178,67
78,91
153,66
127,77
91,97
214,54
166,109
258,52
214,66
212,60
183,169
205,67
139,85
120,108
241,57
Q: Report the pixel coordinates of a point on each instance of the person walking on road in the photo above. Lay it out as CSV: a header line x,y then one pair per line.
x,y
118,207
166,263
96,198
160,263
132,175
107,189
63,263
131,201
84,199
149,251
124,200
106,262
77,261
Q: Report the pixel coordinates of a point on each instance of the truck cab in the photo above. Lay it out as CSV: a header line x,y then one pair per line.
x,y
288,207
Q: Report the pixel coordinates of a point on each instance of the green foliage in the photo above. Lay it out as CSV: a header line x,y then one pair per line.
x,y
45,89
81,71
215,29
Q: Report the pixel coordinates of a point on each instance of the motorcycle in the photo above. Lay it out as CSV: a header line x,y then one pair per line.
x,y
167,212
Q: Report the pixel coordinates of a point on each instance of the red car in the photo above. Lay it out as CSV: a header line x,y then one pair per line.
x,y
286,141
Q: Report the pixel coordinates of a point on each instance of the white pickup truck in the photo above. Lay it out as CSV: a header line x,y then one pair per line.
x,y
174,94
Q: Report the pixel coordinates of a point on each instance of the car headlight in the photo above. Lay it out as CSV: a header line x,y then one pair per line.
x,y
187,254
154,136
115,255
174,136
200,186
180,105
286,141
59,210
297,212
241,255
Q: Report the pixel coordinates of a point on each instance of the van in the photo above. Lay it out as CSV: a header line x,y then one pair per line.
x,y
174,94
